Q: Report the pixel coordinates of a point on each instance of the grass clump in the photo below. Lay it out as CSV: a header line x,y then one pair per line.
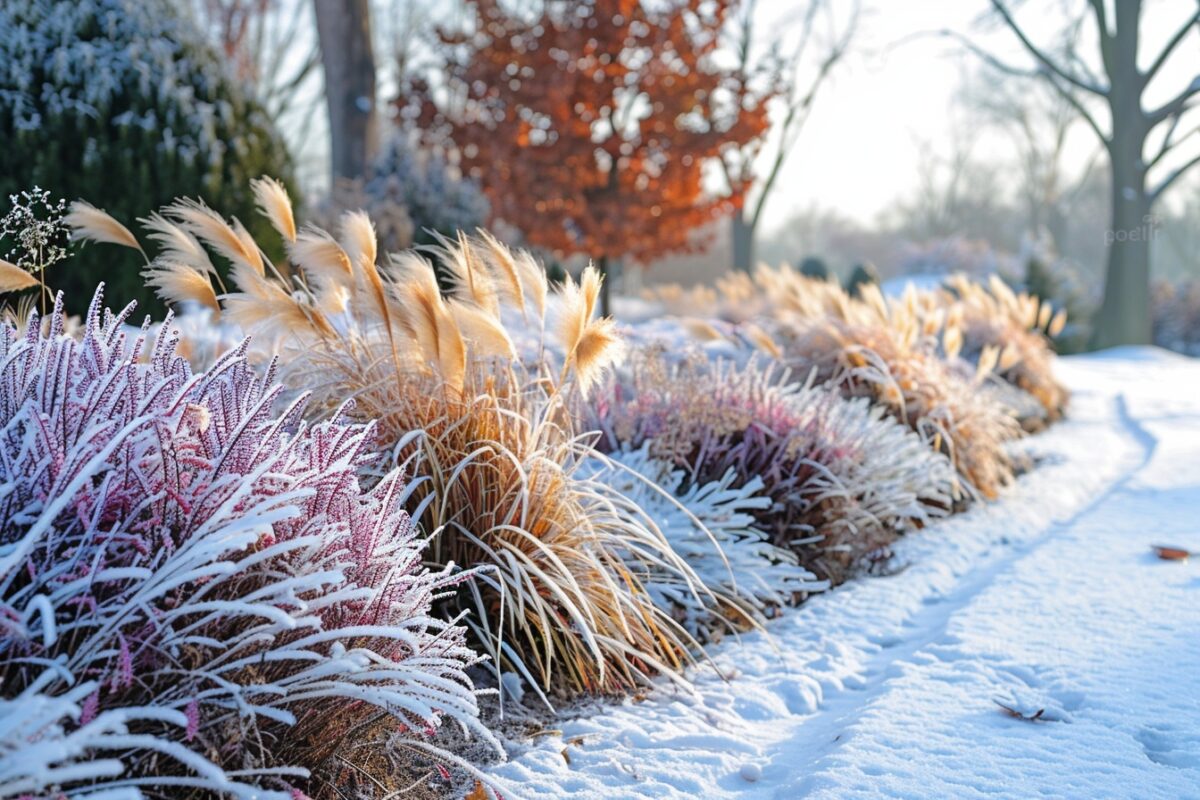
x,y
490,444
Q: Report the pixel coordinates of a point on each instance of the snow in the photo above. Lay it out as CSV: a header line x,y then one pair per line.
x,y
1049,602
926,282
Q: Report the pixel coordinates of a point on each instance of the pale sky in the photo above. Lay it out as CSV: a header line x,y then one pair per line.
x,y
859,151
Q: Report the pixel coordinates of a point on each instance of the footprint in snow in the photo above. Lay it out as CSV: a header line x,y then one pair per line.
x,y
1170,747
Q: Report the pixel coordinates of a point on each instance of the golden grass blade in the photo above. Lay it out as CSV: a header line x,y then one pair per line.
x,y
15,279
178,245
574,316
506,266
452,351
482,331
1044,314
598,348
89,223
701,329
1057,324
1009,358
358,239
277,313
325,266
470,278
362,246
420,298
181,283
533,281
208,226
321,257
250,246
249,281
272,200
589,285
761,339
432,326
988,359
952,342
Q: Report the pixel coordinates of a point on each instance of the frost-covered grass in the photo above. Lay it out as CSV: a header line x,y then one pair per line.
x,y
904,359
901,353
841,477
1017,326
195,591
714,528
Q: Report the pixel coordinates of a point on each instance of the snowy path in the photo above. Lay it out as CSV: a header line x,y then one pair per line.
x,y
1049,600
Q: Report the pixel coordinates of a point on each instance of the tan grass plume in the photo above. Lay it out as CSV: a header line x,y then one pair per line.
x,y
181,283
178,245
207,225
89,223
14,279
273,201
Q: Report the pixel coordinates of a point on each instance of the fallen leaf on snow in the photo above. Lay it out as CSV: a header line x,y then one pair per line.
x,y
1167,553
1012,712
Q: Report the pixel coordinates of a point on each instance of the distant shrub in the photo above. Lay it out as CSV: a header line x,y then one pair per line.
x,y
1176,316
192,587
955,254
123,104
412,195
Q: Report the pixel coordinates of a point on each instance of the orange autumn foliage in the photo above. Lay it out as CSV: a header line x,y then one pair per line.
x,y
589,124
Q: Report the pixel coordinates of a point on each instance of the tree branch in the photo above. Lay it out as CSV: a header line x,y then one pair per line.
x,y
1174,176
1042,58
1009,69
1176,105
1101,15
799,107
1171,45
1169,141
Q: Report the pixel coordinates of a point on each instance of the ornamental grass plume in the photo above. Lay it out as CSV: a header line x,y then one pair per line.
x,y
491,444
197,597
1017,325
843,479
976,324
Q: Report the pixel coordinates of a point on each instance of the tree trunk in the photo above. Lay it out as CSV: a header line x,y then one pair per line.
x,y
605,291
743,242
1124,316
344,34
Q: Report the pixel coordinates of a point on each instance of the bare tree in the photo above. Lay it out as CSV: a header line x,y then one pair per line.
x,y
792,74
1039,125
264,45
1124,316
344,33
955,194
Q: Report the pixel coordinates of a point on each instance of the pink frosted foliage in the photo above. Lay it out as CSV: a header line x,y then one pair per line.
x,y
196,561
834,469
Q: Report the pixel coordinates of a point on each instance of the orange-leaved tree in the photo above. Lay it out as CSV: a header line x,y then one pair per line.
x,y
590,123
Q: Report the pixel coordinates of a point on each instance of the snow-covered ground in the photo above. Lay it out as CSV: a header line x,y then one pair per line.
x,y
1049,602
